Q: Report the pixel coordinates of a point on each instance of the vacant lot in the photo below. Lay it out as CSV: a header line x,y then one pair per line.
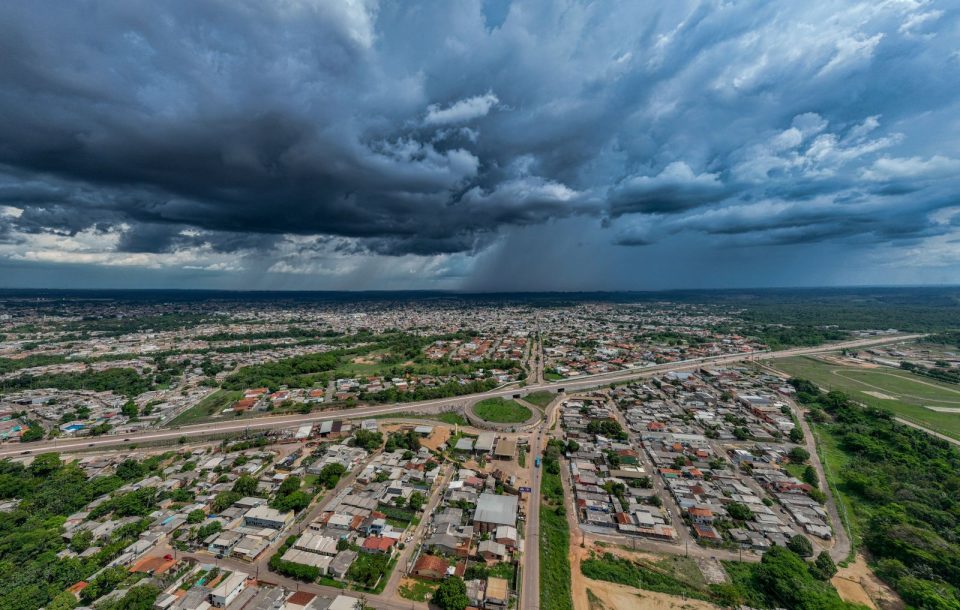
x,y
502,411
911,397
208,407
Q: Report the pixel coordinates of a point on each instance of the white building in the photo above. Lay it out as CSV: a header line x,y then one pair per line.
x,y
229,588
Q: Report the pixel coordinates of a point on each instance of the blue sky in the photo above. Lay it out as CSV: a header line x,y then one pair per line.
x,y
479,145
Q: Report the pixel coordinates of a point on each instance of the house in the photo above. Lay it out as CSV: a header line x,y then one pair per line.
x,y
706,532
497,593
493,510
484,442
345,602
378,546
300,600
491,550
224,542
506,449
264,516
701,515
450,543
464,444
431,567
506,535
475,592
316,543
341,563
244,404
228,589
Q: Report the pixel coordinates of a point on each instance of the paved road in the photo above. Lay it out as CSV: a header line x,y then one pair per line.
x,y
406,555
292,421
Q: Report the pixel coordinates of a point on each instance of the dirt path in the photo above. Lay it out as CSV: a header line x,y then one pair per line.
x,y
949,439
858,584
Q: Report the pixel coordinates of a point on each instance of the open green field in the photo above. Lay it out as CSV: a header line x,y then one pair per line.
x,y
540,399
502,411
555,588
908,396
211,405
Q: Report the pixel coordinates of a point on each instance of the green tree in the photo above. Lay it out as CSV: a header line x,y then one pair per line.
x,y
131,470
370,441
330,475
63,601
799,455
823,566
416,500
739,511
129,409
295,501
44,464
196,516
81,541
800,545
245,485
207,530
289,485
33,433
451,594
224,500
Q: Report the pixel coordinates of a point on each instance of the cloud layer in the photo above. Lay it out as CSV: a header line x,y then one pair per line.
x,y
395,144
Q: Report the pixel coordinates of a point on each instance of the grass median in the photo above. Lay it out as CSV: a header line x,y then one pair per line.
x,y
555,591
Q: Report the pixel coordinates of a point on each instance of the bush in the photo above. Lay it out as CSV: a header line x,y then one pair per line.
x,y
800,545
740,512
823,567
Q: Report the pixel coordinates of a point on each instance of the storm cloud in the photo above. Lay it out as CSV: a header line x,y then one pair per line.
x,y
375,140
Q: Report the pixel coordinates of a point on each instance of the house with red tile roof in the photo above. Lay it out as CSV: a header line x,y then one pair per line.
x,y
431,567
378,545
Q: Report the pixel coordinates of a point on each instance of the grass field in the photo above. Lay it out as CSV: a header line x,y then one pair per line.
x,y
502,411
540,399
211,405
555,589
907,396
447,417
418,590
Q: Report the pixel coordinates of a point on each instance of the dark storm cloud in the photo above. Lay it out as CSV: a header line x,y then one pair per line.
x,y
414,128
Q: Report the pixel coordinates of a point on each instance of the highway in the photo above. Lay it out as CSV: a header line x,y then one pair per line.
x,y
292,421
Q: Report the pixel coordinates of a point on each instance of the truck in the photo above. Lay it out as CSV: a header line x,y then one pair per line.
x,y
536,462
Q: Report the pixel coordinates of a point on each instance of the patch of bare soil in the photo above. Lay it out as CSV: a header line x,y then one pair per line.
x,y
858,584
438,437
611,596
849,362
